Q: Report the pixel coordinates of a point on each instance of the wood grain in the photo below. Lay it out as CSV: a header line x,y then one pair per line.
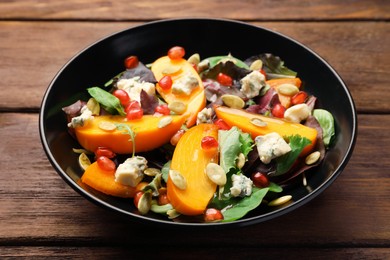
x,y
360,53
37,208
155,9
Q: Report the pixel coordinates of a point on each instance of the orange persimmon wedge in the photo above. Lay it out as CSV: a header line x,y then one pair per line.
x,y
178,69
148,135
104,181
275,83
242,119
191,160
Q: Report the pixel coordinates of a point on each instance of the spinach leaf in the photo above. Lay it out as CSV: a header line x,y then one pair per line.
x,y
165,171
284,162
244,205
108,101
273,187
326,121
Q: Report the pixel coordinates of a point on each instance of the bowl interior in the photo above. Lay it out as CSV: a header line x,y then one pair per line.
x,y
209,37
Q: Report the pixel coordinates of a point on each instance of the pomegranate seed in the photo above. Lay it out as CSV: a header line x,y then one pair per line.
x,y
105,163
165,82
162,197
299,98
209,142
136,113
263,72
176,137
224,79
278,110
104,151
221,124
212,214
176,53
260,180
162,109
123,97
131,62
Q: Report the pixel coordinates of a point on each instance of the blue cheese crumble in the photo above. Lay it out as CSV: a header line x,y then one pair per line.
x,y
271,146
81,120
241,186
131,171
252,84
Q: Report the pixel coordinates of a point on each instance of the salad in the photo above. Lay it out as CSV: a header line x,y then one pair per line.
x,y
205,140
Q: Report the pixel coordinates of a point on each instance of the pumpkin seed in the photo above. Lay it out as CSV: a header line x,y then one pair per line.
x,y
93,106
172,213
84,161
258,122
107,126
312,158
233,101
194,59
256,65
280,201
216,174
177,107
288,89
145,203
240,161
172,69
178,180
151,172
164,121
80,150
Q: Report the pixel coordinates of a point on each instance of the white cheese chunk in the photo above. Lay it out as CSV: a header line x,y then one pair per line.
x,y
271,146
130,172
82,119
252,83
204,116
134,86
185,85
241,186
297,113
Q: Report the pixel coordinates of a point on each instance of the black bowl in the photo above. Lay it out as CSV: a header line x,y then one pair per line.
x,y
209,37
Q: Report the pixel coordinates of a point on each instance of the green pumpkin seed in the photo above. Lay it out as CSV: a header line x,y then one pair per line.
x,y
280,201
256,65
107,126
233,101
164,121
178,180
177,107
93,106
172,69
258,122
216,174
84,161
288,89
312,158
194,59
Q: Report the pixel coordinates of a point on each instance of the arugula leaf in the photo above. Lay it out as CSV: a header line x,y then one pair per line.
x,y
108,101
326,121
244,205
284,162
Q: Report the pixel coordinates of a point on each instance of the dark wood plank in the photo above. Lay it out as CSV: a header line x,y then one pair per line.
x,y
194,252
38,208
148,10
359,51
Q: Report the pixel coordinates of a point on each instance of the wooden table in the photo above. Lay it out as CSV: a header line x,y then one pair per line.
x,y
40,216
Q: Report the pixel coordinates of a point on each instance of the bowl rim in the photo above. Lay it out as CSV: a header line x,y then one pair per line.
x,y
169,223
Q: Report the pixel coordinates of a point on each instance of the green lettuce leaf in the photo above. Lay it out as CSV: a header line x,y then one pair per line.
x,y
273,66
231,144
326,121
